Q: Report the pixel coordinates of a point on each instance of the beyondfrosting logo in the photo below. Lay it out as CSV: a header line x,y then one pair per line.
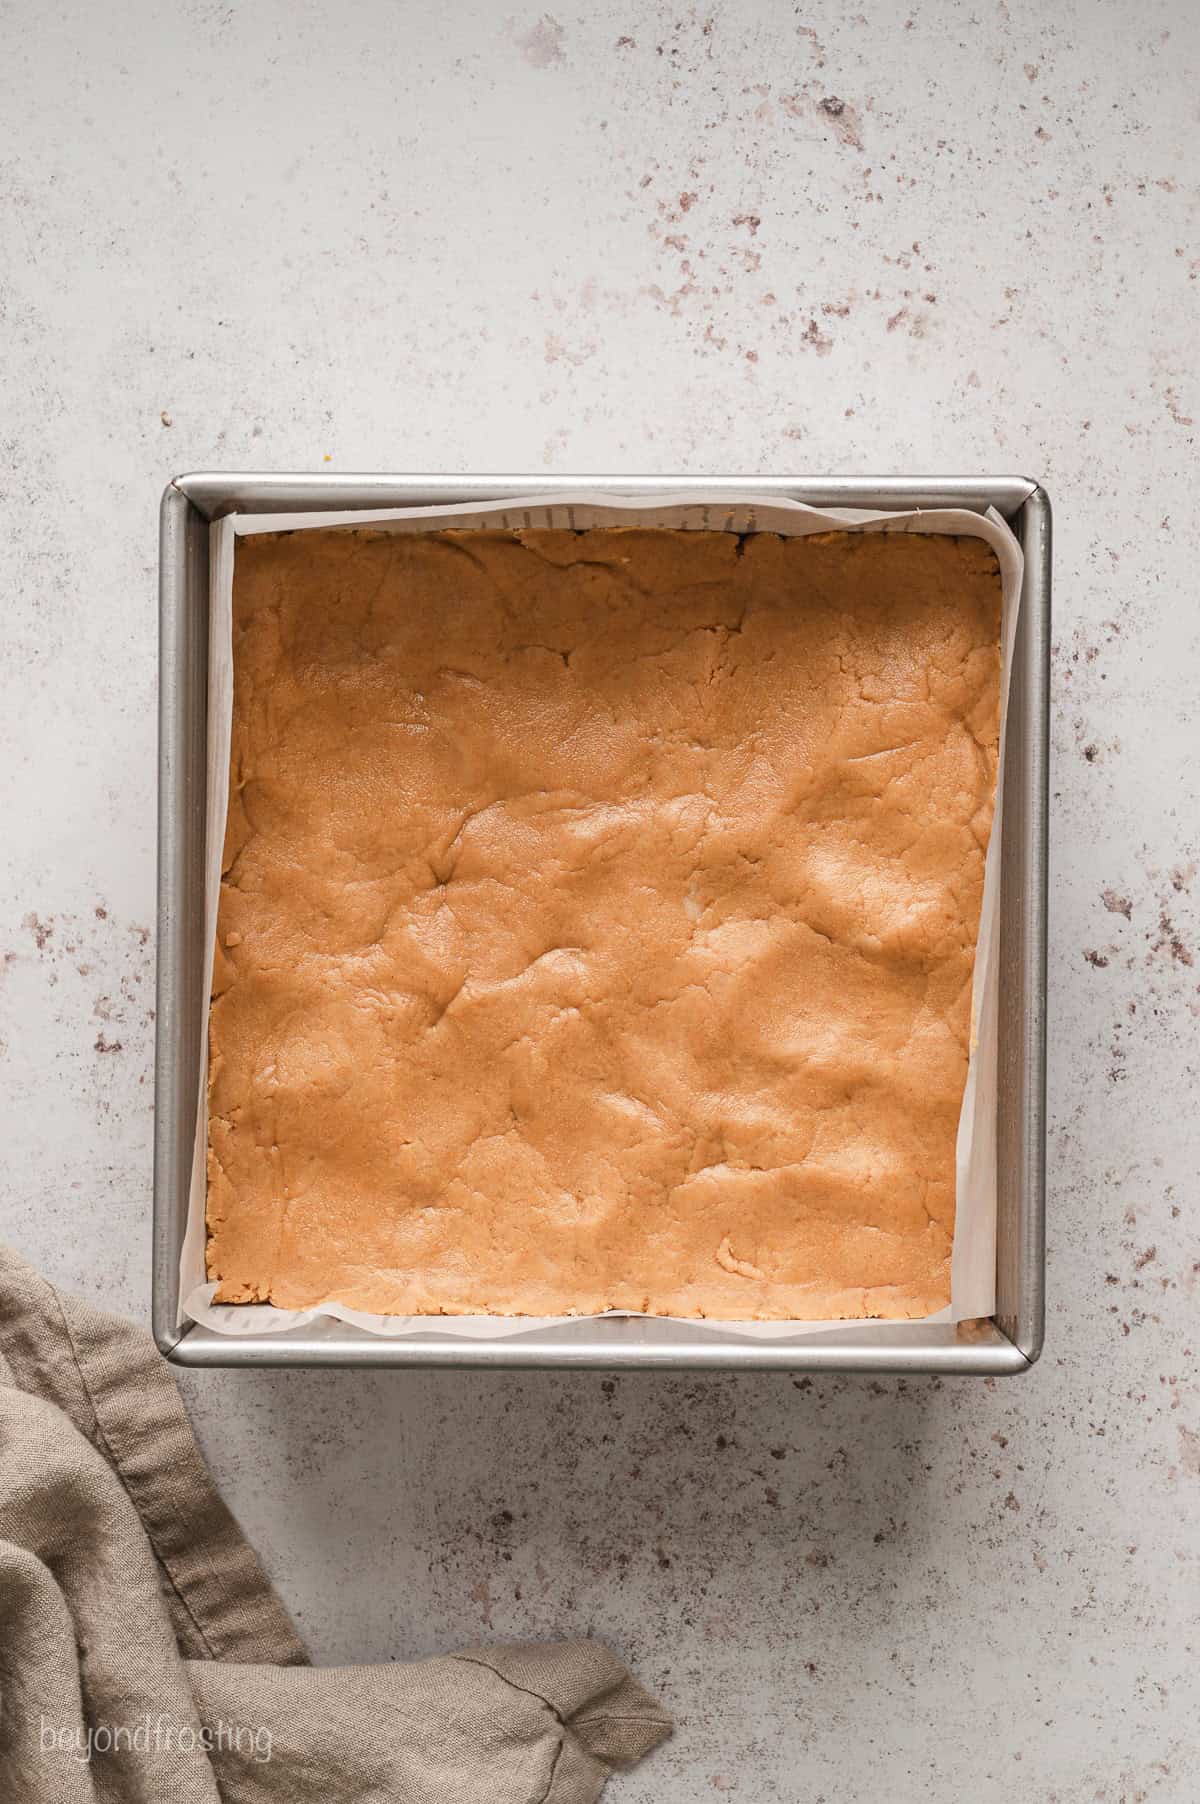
x,y
158,1734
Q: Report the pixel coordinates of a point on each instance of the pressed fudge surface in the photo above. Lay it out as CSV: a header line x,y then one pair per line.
x,y
598,920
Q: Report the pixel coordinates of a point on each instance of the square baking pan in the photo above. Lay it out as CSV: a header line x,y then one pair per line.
x,y
1007,1344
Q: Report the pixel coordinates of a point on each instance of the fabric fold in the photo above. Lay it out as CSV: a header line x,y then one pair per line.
x,y
146,1659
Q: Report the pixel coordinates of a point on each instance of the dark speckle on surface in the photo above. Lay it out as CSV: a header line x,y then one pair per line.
x,y
845,120
1169,940
42,931
541,44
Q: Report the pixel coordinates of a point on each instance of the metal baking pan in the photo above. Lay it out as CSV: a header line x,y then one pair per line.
x,y
1008,1344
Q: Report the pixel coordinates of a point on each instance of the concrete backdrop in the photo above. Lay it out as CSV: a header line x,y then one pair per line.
x,y
641,237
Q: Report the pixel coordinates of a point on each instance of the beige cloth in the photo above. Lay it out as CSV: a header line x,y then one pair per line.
x,y
145,1659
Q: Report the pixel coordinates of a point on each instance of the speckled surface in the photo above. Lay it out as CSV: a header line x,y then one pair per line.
x,y
647,238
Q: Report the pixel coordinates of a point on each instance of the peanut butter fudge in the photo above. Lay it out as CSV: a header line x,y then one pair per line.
x,y
598,920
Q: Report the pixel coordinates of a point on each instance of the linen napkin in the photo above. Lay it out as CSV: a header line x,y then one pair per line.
x,y
145,1658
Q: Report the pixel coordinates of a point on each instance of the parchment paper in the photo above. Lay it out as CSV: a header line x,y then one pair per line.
x,y
973,1261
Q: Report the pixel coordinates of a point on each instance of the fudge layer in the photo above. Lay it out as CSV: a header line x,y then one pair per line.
x,y
598,920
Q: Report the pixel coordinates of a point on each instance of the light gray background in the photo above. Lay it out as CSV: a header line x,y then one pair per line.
x,y
371,236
